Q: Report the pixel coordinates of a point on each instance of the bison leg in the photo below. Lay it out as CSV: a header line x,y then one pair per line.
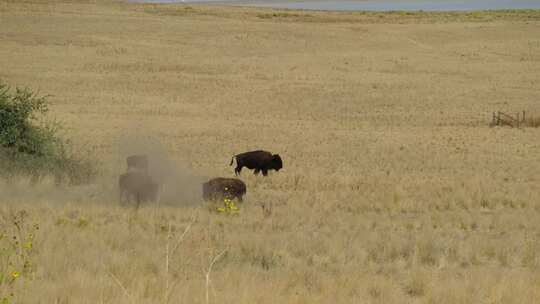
x,y
121,196
238,170
265,172
158,194
125,197
256,171
138,199
239,198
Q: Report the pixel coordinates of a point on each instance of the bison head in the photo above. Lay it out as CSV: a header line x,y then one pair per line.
x,y
137,162
276,162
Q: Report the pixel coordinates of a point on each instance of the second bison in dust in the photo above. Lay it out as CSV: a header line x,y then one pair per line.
x,y
137,186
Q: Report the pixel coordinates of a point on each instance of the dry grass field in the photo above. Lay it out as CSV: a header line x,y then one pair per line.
x,y
394,188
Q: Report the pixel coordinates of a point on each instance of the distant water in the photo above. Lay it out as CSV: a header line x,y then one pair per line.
x,y
374,5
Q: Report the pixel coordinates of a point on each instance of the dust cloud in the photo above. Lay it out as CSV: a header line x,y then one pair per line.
x,y
179,184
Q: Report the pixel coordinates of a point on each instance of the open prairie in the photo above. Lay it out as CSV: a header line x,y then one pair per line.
x,y
395,189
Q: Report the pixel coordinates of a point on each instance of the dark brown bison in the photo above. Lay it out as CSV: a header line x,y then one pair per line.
x,y
258,160
137,162
220,188
137,186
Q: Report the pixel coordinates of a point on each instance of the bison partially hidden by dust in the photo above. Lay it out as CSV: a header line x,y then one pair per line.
x,y
138,163
136,184
220,188
259,160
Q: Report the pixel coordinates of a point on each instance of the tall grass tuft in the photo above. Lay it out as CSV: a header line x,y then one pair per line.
x,y
532,122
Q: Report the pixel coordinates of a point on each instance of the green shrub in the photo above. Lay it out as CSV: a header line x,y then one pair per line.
x,y
29,145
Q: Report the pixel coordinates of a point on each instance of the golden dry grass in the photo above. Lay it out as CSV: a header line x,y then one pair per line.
x,y
394,188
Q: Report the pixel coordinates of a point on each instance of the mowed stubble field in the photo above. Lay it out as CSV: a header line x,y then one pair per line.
x,y
394,187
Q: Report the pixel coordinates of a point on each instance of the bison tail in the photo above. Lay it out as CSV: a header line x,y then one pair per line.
x,y
232,160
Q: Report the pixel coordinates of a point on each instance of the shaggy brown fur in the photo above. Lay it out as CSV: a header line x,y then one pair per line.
x,y
137,186
220,187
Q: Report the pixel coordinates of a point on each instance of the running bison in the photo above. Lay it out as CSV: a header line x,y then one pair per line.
x,y
259,160
220,188
137,186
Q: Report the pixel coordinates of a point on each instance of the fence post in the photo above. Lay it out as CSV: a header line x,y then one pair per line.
x,y
523,116
498,118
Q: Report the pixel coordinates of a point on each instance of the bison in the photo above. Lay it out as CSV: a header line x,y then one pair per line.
x,y
137,162
137,186
220,188
259,160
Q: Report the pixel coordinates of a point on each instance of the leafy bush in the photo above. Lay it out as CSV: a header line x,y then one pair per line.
x,y
29,146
